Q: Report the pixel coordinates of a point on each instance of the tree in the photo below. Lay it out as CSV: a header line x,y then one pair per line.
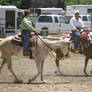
x,y
10,2
78,1
75,2
25,4
60,4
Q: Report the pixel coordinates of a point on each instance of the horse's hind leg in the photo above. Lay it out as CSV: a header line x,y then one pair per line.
x,y
85,66
59,55
57,65
9,64
2,64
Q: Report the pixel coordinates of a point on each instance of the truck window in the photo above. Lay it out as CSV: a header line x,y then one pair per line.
x,y
63,20
47,19
56,20
89,18
84,18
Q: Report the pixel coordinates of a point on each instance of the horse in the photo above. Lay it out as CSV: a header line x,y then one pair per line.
x,y
61,53
87,51
39,52
84,44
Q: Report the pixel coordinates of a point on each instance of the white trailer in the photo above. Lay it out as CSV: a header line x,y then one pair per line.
x,y
35,12
8,18
59,11
40,11
83,9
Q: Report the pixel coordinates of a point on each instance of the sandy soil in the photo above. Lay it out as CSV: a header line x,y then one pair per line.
x,y
73,80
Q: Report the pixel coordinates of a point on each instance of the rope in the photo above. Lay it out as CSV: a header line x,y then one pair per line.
x,y
46,45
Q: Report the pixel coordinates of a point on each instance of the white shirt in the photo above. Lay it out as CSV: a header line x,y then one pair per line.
x,y
76,23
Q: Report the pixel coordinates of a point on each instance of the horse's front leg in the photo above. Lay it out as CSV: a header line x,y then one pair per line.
x,y
59,55
38,65
85,66
2,64
42,75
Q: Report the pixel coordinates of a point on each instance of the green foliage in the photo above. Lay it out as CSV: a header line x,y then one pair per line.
x,y
24,4
76,2
7,2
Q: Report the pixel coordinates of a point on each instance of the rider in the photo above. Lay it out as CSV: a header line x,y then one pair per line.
x,y
27,28
77,25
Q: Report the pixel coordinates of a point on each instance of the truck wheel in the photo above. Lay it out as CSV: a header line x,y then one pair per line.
x,y
44,33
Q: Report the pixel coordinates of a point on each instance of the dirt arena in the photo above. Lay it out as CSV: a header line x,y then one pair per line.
x,y
73,80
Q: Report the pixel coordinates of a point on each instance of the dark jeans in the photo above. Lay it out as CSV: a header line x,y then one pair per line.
x,y
26,37
77,38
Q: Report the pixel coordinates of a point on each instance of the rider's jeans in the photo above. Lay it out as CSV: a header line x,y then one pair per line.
x,y
26,36
77,38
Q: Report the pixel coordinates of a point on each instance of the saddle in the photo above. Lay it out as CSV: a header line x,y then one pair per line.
x,y
18,40
83,38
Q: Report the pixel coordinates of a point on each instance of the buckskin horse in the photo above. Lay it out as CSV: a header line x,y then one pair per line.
x,y
40,52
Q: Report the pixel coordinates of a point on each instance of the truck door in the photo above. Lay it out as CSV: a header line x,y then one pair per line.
x,y
45,23
56,25
65,25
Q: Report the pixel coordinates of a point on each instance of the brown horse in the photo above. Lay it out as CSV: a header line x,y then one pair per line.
x,y
86,49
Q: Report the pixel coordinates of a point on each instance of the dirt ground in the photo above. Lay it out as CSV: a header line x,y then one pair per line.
x,y
73,80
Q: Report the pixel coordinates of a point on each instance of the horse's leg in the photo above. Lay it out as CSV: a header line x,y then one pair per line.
x,y
9,64
57,64
85,66
2,64
59,55
42,75
38,65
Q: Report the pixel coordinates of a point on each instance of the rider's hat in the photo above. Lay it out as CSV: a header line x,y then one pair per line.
x,y
76,12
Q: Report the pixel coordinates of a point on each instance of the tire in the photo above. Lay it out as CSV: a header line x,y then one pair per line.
x,y
44,33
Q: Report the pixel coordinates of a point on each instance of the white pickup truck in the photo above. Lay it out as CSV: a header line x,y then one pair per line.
x,y
52,24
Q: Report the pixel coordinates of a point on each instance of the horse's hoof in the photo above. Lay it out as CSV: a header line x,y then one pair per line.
x,y
59,73
91,72
86,74
44,81
18,81
30,81
55,72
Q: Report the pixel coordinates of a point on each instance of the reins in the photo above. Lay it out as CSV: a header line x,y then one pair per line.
x,y
50,49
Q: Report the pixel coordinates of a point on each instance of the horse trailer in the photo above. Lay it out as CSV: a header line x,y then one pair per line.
x,y
83,9
9,16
